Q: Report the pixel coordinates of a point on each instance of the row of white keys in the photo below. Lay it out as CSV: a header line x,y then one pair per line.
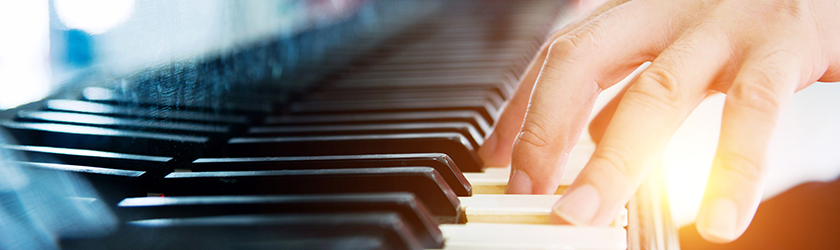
x,y
516,209
474,236
499,221
494,180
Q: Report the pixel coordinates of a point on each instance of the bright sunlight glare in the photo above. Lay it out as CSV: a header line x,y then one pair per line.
x,y
93,16
688,159
24,52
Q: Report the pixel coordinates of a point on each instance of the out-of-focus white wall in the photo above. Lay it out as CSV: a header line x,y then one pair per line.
x,y
24,52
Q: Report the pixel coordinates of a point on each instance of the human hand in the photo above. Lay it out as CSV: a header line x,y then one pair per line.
x,y
758,52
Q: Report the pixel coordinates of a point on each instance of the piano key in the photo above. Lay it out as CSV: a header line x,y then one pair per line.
x,y
438,73
103,139
529,236
102,95
112,185
519,209
413,213
504,86
143,112
288,231
92,158
481,105
473,117
383,95
465,129
407,58
440,162
123,123
494,180
424,182
455,145
437,66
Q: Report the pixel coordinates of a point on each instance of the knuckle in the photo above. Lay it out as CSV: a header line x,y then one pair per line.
x,y
745,168
757,91
790,7
615,167
774,10
533,132
579,42
756,96
532,137
658,88
762,88
562,50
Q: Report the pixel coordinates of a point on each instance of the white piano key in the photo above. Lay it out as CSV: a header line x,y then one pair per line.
x,y
494,180
520,209
528,236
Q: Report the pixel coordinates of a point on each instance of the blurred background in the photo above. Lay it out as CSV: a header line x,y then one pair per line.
x,y
50,42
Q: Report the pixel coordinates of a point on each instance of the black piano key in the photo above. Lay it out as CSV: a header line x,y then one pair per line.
x,y
423,182
504,86
287,231
412,211
391,95
112,185
124,123
436,67
453,144
92,158
481,105
144,112
465,129
104,139
472,117
102,95
440,162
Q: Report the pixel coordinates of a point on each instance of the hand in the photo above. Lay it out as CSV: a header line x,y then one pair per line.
x,y
758,52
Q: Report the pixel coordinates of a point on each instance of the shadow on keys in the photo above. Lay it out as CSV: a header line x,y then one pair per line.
x,y
805,217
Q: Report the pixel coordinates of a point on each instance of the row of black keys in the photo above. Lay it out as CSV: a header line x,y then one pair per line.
x,y
131,151
386,208
370,162
454,130
113,152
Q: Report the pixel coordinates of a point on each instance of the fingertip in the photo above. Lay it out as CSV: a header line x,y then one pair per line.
x,y
520,183
577,207
719,224
557,219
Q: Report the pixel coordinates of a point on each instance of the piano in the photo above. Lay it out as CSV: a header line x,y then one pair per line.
x,y
346,136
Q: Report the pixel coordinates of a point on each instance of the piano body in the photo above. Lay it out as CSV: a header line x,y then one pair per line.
x,y
357,134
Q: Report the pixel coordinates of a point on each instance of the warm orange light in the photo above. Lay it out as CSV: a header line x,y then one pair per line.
x,y
688,159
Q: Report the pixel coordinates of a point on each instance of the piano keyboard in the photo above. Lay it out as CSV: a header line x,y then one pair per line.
x,y
379,156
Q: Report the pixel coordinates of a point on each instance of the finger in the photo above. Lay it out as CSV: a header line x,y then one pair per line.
x,y
496,150
599,123
764,83
648,115
577,66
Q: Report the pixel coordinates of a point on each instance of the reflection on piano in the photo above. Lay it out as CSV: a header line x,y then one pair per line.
x,y
378,153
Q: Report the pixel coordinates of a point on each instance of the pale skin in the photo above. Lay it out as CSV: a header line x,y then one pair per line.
x,y
757,52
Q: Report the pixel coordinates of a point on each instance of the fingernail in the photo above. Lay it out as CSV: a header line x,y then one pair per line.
x,y
519,183
721,220
579,206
